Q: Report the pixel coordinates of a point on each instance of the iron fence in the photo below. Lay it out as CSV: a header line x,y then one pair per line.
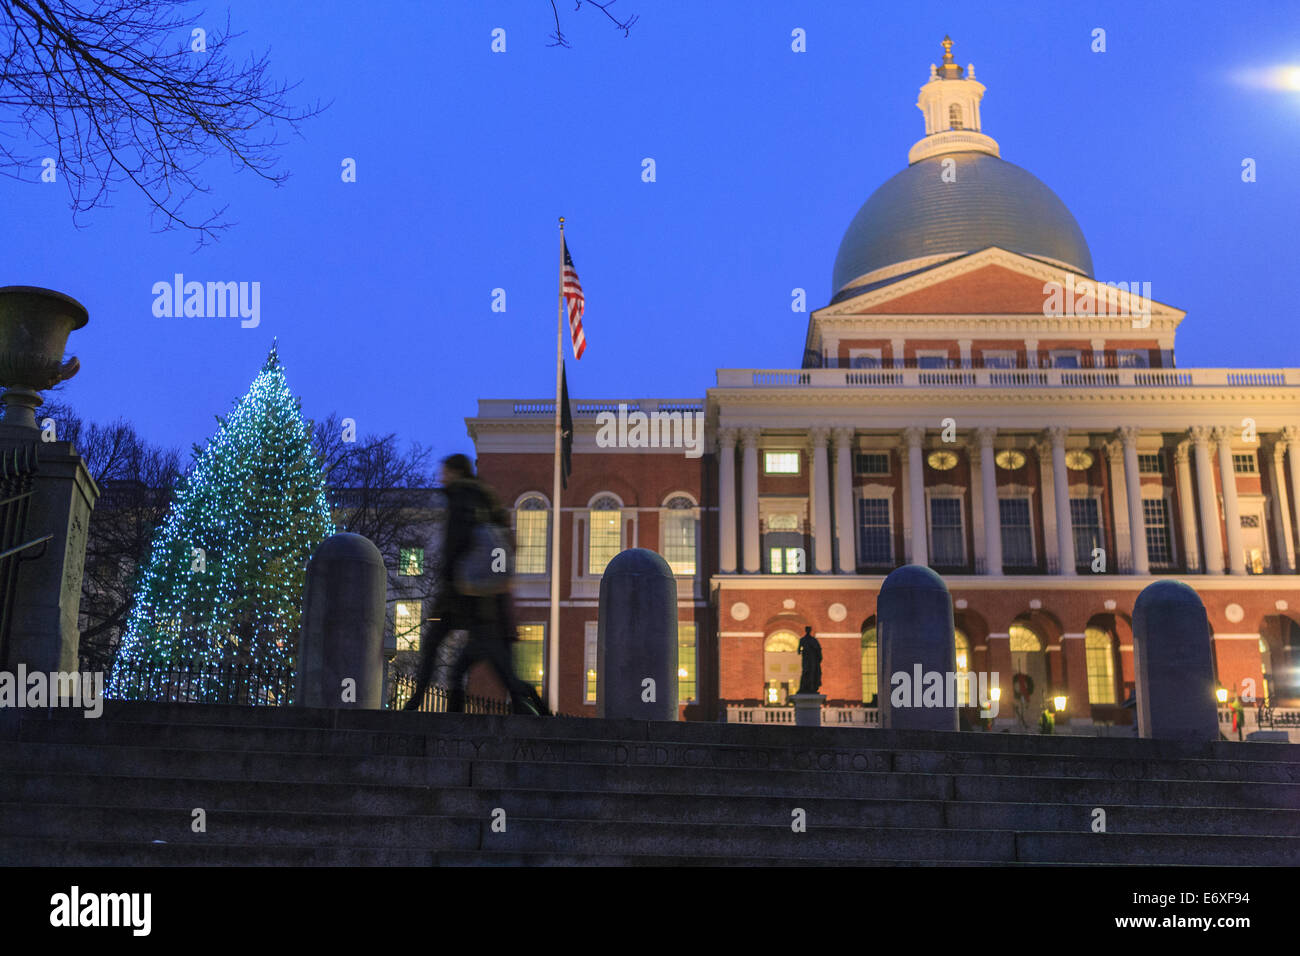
x,y
17,471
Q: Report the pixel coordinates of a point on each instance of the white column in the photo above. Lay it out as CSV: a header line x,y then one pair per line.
x,y
727,500
1200,436
1047,504
1031,353
1187,507
964,346
1291,435
976,507
989,491
1281,506
845,528
1098,353
916,494
1231,512
821,499
1119,505
1061,485
896,345
1128,436
749,500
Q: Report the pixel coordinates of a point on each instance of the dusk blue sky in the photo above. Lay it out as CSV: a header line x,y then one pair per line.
x,y
380,291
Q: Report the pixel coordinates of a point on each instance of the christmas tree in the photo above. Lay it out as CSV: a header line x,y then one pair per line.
x,y
221,596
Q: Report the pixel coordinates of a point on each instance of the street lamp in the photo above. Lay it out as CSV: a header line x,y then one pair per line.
x,y
1222,694
1059,702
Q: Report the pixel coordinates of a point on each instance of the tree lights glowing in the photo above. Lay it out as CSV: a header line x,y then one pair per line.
x,y
223,585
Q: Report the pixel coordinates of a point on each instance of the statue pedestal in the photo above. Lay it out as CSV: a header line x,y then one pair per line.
x,y
43,630
808,709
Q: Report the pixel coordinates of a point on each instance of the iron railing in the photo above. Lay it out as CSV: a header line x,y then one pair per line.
x,y
17,471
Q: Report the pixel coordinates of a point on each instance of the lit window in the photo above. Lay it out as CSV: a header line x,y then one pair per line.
x,y
1245,464
781,462
589,662
410,561
870,683
605,534
1101,666
526,654
679,535
1017,533
685,661
406,625
532,524
963,667
1155,515
875,534
787,561
1023,639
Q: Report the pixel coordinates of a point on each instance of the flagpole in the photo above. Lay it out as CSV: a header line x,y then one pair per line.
x,y
553,632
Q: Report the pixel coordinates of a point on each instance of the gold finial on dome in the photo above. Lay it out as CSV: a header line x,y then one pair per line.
x,y
950,69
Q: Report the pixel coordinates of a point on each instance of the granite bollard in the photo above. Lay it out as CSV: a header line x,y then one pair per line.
x,y
915,643
636,651
342,636
1172,666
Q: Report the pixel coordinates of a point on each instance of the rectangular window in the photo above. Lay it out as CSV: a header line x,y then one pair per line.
x,y
1133,358
787,561
410,561
780,463
875,536
679,541
606,539
872,463
1065,358
406,625
589,662
532,526
1101,671
1153,464
1155,515
1086,521
526,654
685,661
1017,533
947,543
1245,464
931,359
999,359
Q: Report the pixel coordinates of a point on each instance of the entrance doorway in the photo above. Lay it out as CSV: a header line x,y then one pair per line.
x,y
1028,657
782,667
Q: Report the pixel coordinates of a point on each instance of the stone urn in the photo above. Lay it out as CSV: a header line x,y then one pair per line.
x,y
34,328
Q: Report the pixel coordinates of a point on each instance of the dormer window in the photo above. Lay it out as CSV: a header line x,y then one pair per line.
x,y
954,116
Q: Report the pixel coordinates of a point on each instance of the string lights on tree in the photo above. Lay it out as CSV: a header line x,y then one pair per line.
x,y
223,585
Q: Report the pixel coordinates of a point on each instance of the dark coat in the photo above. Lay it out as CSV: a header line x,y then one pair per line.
x,y
469,502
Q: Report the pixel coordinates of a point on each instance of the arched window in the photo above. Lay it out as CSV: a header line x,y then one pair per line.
x,y
604,532
531,526
1100,651
954,116
1028,657
781,666
678,524
870,678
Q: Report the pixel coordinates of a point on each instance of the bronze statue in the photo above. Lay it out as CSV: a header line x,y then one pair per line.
x,y
811,678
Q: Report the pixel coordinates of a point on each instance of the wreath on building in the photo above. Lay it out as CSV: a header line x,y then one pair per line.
x,y
1022,686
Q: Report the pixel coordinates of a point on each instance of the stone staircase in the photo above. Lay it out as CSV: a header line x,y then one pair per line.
x,y
287,786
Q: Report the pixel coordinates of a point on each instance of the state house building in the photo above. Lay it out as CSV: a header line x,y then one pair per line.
x,y
1049,466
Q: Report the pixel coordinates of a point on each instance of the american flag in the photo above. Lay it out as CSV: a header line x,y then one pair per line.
x,y
573,296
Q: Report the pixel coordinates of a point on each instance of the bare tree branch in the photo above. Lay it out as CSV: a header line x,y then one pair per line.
x,y
120,92
559,39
